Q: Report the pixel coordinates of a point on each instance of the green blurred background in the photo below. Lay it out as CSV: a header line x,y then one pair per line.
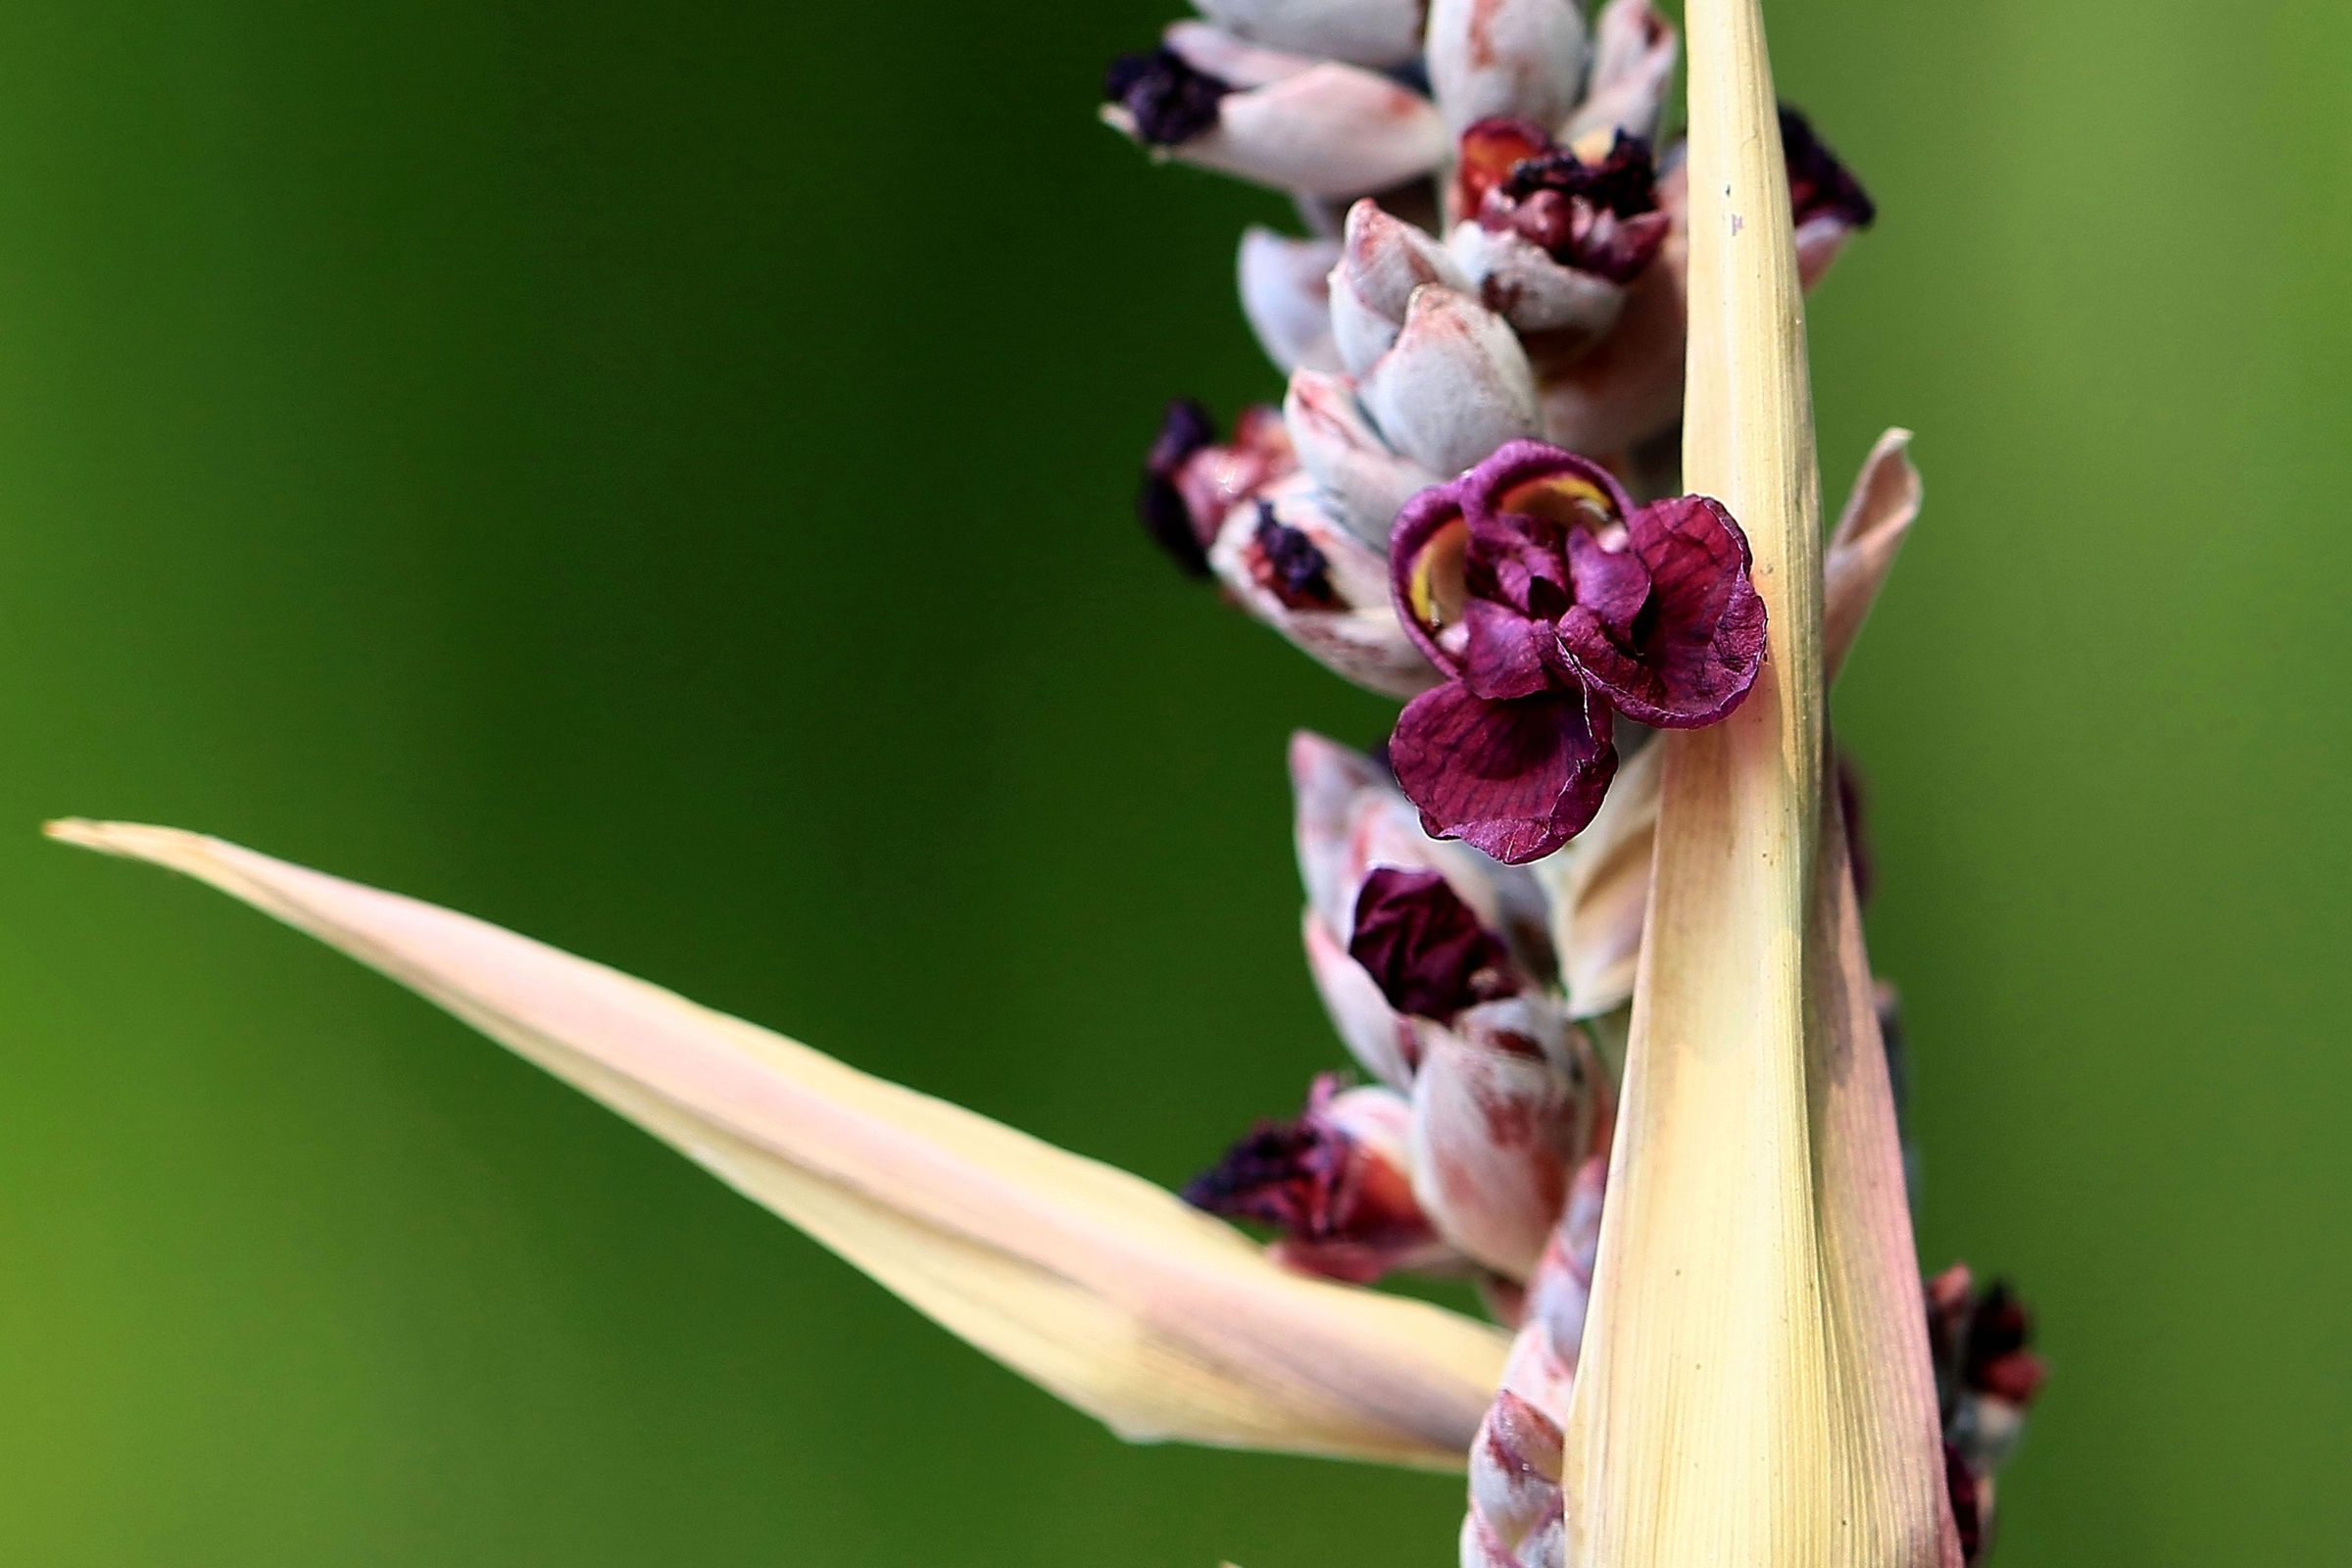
x,y
657,477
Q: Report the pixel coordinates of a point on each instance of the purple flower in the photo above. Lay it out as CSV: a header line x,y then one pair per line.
x,y
1548,601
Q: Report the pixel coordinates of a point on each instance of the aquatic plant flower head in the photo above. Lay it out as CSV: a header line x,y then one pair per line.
x,y
1588,923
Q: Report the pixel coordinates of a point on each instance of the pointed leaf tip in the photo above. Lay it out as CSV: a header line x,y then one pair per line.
x,y
1104,1289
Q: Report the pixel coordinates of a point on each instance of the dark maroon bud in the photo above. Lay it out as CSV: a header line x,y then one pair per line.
x,y
1819,185
1289,564
1425,947
1966,1511
1184,429
1333,1181
1170,101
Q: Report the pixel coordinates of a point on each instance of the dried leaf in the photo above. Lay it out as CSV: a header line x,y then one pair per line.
x,y
1100,1287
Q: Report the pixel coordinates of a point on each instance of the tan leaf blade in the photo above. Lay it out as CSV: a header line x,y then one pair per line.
x,y
1104,1289
1754,1371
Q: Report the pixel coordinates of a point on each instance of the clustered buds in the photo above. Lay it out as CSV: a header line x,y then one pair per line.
x,y
1467,502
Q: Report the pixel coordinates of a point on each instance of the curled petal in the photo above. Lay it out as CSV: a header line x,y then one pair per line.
x,y
1518,57
1366,483
1365,32
1334,1181
1428,951
1517,779
1350,628
1287,298
1332,130
1097,1285
1504,1111
1518,280
1633,70
1457,385
1704,641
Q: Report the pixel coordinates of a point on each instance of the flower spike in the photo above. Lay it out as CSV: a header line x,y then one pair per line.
x,y
1107,1290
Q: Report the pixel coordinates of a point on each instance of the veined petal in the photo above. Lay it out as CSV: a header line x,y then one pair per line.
x,y
1100,1287
1519,58
1287,298
1331,131
1367,33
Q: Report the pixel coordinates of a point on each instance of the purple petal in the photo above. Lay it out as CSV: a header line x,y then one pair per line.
x,y
1517,779
1696,646
1612,584
1508,654
1425,570
1425,947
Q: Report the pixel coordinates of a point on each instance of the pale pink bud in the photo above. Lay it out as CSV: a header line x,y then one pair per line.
x,y
1286,294
1383,260
1517,1516
1457,385
1519,58
1331,131
1366,32
1633,70
1286,559
1364,481
1505,1104
1519,282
